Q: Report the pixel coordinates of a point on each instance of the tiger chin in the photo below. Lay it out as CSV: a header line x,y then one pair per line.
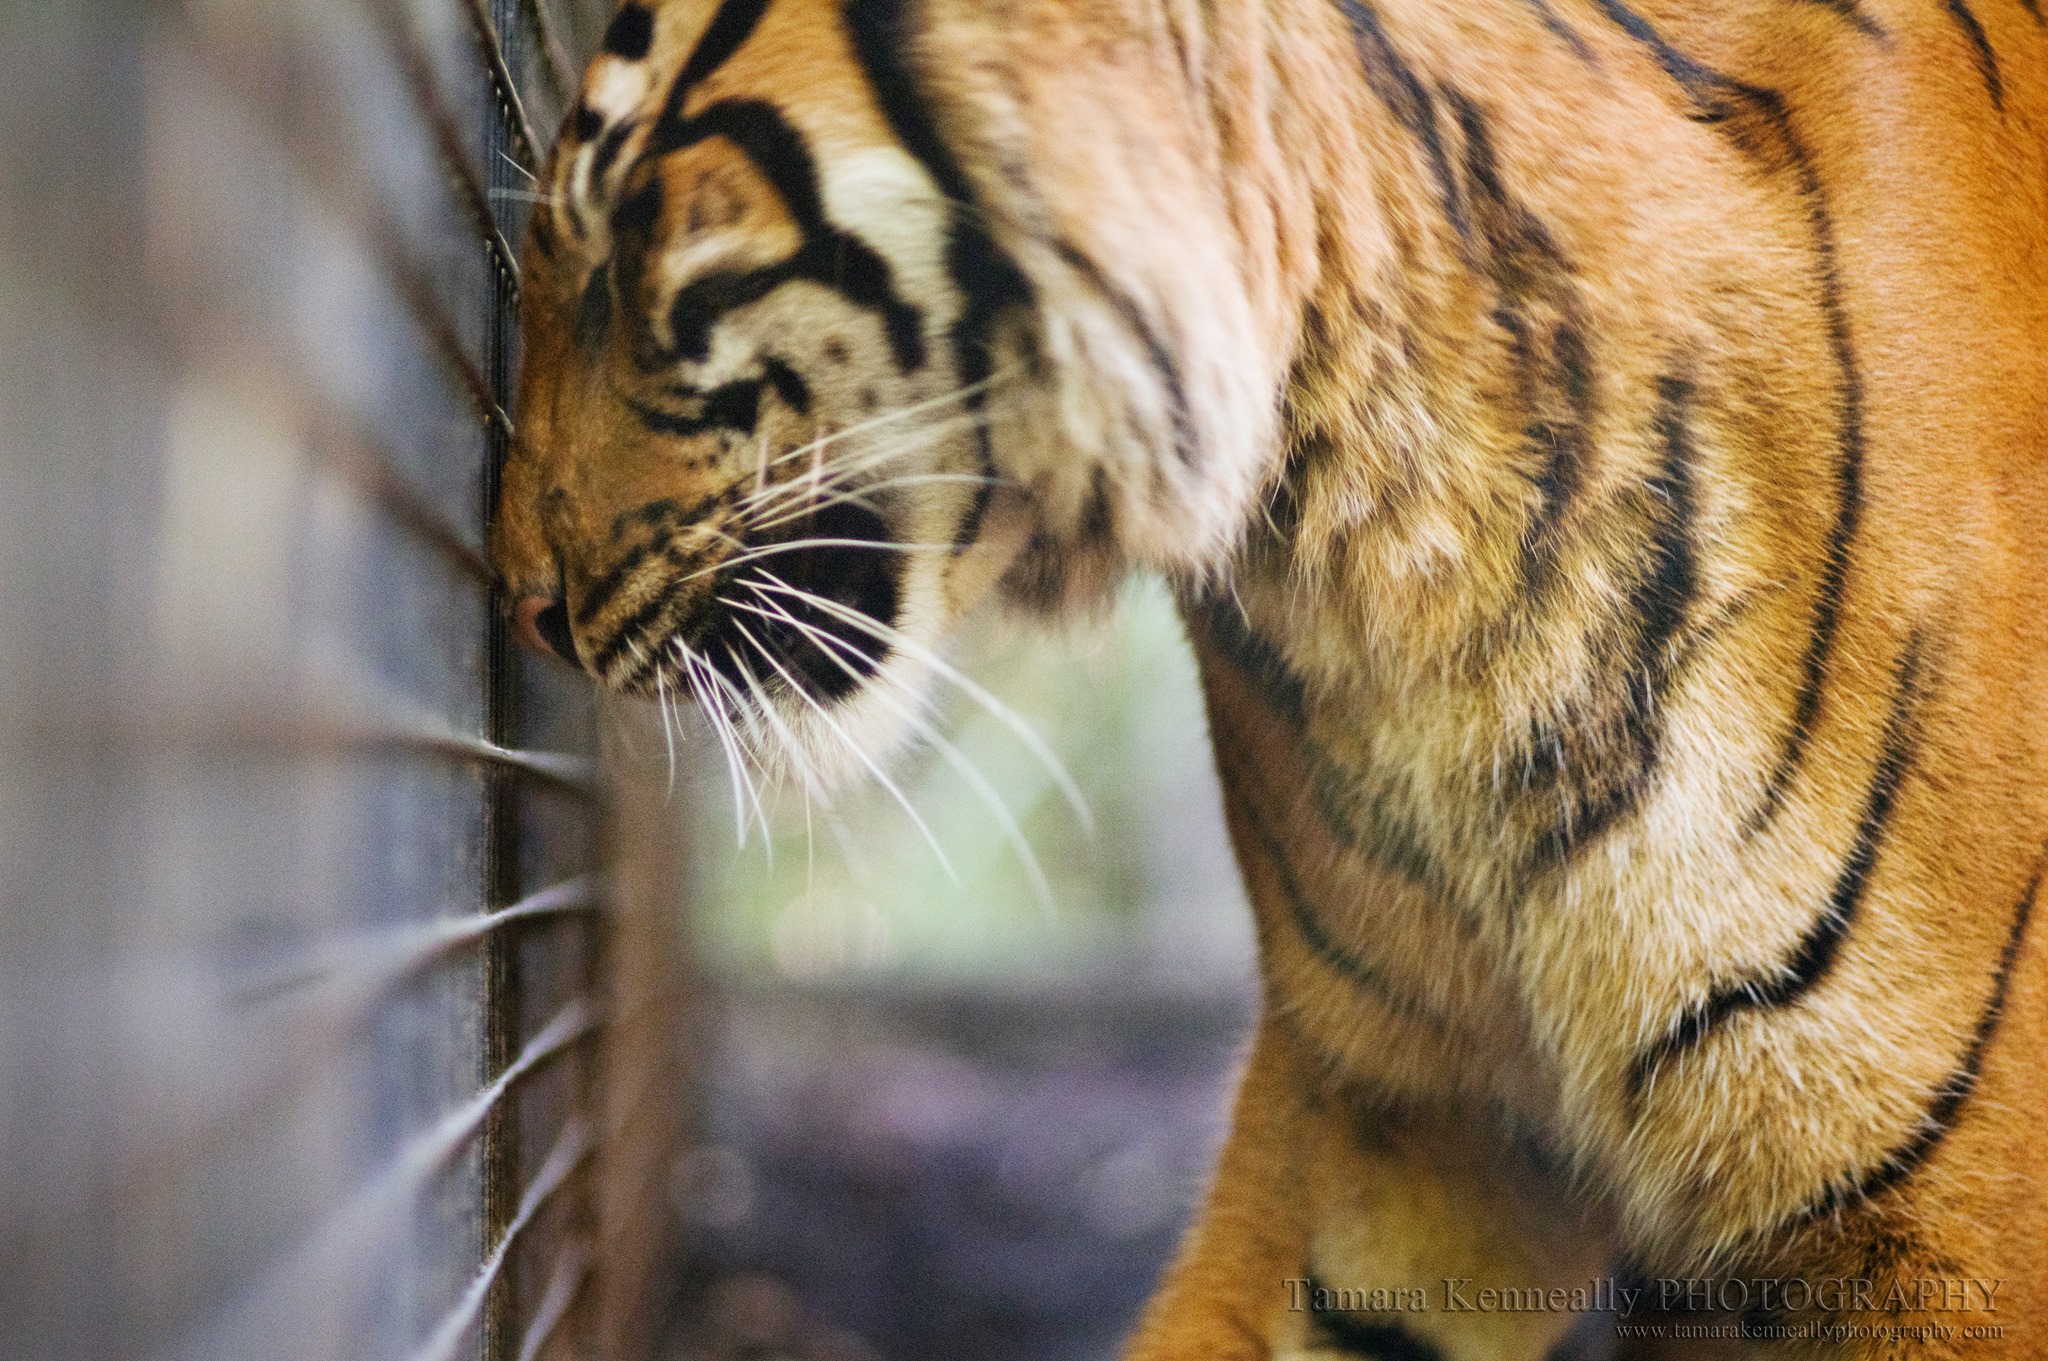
x,y
1601,453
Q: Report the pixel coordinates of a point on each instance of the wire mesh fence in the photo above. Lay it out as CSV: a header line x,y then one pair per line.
x,y
334,1006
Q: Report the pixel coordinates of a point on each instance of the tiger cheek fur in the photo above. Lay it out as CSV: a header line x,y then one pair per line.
x,y
1600,452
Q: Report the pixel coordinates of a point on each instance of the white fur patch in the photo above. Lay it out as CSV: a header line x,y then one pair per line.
x,y
615,87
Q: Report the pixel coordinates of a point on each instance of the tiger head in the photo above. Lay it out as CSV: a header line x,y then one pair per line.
x,y
841,314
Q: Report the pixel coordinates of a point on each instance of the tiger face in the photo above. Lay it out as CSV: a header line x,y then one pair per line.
x,y
816,355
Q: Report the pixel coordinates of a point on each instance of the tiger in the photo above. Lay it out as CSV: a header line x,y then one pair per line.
x,y
1599,452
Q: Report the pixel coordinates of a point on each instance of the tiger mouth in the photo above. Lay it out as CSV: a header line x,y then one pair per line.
x,y
810,612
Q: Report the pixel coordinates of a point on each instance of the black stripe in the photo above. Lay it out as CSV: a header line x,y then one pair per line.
x,y
594,311
1553,22
1098,514
632,627
540,233
1157,354
730,406
661,515
1719,99
1359,819
1363,821
701,303
1599,761
828,256
734,23
989,281
1853,13
667,513
608,151
1987,60
787,384
776,148
630,33
636,215
1566,444
882,42
1397,86
1225,628
1815,955
1347,964
1539,309
1946,1108
838,262
2033,7
1663,596
1341,1331
605,587
1681,68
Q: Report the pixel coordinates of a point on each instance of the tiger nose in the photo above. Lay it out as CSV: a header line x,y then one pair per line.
x,y
542,624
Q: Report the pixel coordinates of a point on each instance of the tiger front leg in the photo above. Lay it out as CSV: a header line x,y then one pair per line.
x,y
1331,1231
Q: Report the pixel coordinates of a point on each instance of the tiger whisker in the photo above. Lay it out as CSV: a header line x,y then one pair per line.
x,y
859,752
707,683
798,545
917,409
518,167
813,788
721,733
524,196
781,734
857,496
917,414
995,708
855,461
668,732
917,715
827,471
792,748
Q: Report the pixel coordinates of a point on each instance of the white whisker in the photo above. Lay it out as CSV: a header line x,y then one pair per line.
x,y
860,753
811,449
723,736
792,747
702,676
807,498
859,496
996,709
765,499
798,545
928,730
901,413
810,849
668,731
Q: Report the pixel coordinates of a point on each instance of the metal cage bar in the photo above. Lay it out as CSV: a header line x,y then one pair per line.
x,y
313,1012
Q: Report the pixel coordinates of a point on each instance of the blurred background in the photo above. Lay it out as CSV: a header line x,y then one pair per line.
x,y
369,990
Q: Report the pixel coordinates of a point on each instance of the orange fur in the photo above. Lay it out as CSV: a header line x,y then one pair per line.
x,y
1602,451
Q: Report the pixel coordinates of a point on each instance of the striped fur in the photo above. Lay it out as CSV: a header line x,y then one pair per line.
x,y
1601,447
